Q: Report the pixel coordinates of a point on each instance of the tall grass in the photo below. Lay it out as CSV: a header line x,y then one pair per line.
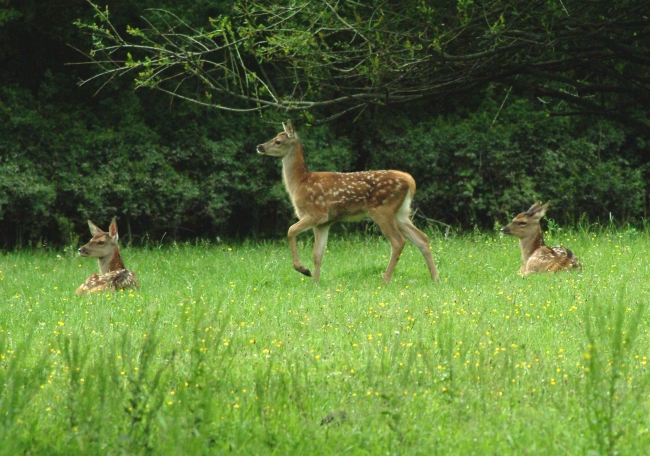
x,y
226,348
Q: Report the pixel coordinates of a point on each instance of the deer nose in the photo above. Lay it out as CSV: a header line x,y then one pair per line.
x,y
504,230
260,149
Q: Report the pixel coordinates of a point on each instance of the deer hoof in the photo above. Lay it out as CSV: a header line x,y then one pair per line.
x,y
304,270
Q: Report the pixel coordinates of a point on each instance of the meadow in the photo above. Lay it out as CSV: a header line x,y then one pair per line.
x,y
225,348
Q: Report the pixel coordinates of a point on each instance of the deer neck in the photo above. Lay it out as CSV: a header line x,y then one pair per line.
x,y
294,168
111,262
531,243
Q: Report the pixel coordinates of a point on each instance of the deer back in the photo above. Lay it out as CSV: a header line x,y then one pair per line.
x,y
110,281
348,196
551,259
335,196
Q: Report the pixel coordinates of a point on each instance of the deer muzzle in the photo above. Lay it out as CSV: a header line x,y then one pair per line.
x,y
505,230
260,149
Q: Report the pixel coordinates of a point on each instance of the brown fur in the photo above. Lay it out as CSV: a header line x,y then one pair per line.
x,y
536,256
110,281
321,199
113,274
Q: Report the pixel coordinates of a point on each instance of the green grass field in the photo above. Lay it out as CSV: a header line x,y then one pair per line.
x,y
225,348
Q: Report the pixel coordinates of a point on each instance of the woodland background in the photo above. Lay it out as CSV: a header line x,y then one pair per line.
x,y
172,169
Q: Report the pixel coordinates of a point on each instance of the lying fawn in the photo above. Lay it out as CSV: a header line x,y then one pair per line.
x,y
321,199
112,273
536,255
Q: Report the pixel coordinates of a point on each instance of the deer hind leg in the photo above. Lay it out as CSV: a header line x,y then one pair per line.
x,y
320,244
388,226
421,240
302,225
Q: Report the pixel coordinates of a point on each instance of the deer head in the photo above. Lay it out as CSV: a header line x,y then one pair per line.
x,y
282,144
104,247
526,224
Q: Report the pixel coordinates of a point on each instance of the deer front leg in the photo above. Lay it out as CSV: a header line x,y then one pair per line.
x,y
302,225
320,244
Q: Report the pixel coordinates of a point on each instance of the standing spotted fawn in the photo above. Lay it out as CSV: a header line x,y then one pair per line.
x,y
112,273
324,198
537,257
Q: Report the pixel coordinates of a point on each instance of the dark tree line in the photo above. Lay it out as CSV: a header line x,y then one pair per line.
x,y
489,105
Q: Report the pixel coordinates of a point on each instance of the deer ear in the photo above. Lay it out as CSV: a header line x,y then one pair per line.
x,y
532,209
542,210
537,211
288,128
112,230
94,229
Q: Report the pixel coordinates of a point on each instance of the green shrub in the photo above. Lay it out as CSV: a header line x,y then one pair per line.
x,y
475,170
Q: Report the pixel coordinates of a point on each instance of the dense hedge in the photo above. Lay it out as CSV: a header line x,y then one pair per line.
x,y
188,173
476,170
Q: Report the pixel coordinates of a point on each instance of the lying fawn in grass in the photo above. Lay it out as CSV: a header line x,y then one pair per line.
x,y
536,255
112,273
321,199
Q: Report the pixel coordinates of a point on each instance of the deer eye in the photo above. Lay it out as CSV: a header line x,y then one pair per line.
x,y
101,242
277,141
522,223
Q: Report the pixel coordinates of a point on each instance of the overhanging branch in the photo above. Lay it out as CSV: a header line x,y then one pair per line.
x,y
351,54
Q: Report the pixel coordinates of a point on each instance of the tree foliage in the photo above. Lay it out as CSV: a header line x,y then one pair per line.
x,y
301,55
